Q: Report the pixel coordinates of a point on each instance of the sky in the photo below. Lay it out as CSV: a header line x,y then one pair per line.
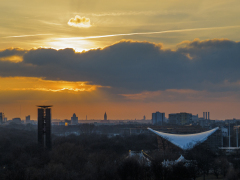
x,y
126,58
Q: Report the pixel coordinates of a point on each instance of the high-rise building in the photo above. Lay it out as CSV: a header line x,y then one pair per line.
x,y
44,126
74,119
105,116
1,117
28,119
158,118
180,118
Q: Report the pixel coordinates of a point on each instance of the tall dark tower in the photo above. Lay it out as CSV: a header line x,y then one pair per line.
x,y
44,126
105,116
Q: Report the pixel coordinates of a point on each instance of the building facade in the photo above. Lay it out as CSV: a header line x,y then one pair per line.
x,y
74,119
158,118
182,118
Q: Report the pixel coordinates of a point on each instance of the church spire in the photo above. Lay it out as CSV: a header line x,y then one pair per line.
x,y
105,116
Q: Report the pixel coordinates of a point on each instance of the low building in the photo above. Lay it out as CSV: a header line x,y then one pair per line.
x,y
16,120
182,118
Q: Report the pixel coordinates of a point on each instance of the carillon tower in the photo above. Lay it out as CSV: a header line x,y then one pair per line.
x,y
44,126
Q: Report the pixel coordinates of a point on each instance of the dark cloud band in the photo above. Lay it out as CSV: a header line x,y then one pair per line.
x,y
130,67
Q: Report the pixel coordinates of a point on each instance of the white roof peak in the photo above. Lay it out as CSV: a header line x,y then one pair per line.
x,y
185,141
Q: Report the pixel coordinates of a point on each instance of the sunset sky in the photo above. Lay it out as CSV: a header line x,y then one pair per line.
x,y
128,58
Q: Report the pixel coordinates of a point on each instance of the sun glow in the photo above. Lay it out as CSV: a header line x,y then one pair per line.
x,y
39,84
77,45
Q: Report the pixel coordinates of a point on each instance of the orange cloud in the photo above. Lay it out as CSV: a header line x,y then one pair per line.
x,y
78,21
39,84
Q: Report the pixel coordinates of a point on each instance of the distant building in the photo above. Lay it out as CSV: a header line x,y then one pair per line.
x,y
144,117
28,119
195,118
44,126
158,118
55,123
232,121
182,118
62,123
1,117
67,122
74,119
105,119
224,131
16,120
203,122
105,116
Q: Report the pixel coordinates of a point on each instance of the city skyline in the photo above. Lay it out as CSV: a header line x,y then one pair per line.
x,y
203,116
128,59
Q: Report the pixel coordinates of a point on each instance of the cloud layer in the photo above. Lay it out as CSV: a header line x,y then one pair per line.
x,y
133,67
81,22
39,84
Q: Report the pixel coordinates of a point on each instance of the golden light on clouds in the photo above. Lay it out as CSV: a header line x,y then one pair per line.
x,y
77,45
78,21
39,84
15,59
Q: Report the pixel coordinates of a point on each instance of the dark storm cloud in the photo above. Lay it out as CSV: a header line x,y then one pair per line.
x,y
214,60
12,52
138,66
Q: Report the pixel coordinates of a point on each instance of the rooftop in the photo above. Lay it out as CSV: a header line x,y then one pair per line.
x,y
185,141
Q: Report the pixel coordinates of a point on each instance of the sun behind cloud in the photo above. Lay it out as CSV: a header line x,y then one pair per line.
x,y
40,84
81,22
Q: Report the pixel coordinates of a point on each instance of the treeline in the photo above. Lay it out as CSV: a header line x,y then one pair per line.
x,y
87,156
97,157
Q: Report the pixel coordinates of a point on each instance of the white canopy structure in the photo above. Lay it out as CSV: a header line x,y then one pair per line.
x,y
185,141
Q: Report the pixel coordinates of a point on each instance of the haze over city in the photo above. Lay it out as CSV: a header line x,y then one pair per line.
x,y
126,58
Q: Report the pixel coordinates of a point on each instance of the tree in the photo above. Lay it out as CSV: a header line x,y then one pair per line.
x,y
130,169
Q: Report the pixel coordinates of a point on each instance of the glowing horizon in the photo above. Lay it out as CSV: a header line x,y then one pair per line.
x,y
126,58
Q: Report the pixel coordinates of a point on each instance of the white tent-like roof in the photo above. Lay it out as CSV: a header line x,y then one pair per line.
x,y
185,141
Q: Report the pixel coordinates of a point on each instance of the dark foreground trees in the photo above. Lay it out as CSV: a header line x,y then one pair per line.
x,y
88,156
97,157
